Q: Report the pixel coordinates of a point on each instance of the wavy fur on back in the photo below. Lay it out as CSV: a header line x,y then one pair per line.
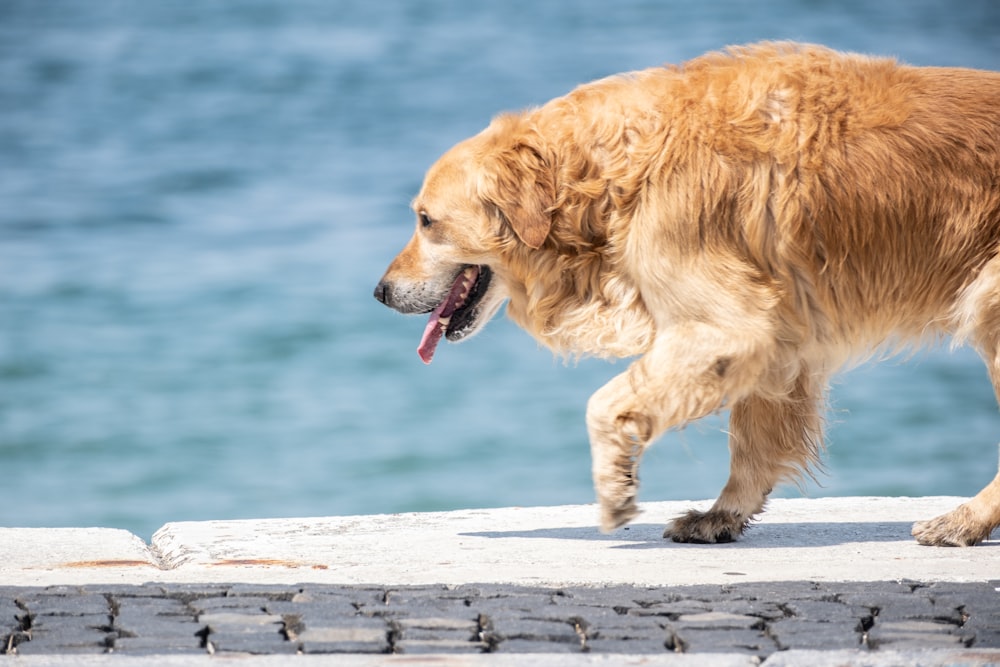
x,y
832,181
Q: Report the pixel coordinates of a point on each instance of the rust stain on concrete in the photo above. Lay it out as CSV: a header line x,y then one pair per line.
x,y
267,562
108,563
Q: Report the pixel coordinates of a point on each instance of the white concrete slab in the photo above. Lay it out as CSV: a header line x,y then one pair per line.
x,y
830,539
886,658
29,555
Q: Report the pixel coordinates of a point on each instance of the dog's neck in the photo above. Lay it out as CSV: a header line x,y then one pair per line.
x,y
577,305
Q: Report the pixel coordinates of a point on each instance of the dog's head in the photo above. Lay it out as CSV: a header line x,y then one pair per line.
x,y
483,201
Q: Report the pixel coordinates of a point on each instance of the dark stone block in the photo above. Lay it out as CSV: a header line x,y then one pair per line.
x,y
636,645
89,604
813,634
536,646
751,642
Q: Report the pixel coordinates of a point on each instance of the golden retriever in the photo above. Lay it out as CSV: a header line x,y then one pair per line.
x,y
743,225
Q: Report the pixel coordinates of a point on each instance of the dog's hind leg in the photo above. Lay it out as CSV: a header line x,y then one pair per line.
x,y
973,521
770,440
967,525
978,313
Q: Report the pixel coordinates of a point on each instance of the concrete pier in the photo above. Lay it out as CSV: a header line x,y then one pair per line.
x,y
835,581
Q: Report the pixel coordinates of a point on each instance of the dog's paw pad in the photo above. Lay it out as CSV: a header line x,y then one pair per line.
x,y
711,527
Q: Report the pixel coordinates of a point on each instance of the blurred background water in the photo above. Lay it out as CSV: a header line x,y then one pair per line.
x,y
197,198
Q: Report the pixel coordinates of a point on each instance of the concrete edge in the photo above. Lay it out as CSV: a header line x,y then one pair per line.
x,y
827,539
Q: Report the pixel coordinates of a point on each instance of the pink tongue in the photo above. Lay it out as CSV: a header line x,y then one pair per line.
x,y
437,324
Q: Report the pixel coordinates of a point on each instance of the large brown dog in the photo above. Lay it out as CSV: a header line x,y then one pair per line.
x,y
745,224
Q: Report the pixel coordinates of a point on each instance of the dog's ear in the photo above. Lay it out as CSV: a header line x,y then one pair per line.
x,y
521,186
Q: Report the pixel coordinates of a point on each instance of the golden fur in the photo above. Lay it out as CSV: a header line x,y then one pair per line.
x,y
744,225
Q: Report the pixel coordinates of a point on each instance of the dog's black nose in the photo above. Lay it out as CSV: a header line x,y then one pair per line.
x,y
382,292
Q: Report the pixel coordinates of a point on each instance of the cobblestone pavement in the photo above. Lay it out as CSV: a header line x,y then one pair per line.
x,y
757,619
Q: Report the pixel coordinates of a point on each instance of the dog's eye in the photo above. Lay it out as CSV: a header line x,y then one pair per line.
x,y
425,220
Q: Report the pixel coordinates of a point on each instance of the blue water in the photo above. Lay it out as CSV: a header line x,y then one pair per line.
x,y
197,198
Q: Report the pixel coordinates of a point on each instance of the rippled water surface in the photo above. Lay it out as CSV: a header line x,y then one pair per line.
x,y
197,198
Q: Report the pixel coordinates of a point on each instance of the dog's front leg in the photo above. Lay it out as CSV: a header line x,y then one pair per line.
x,y
689,373
771,439
620,428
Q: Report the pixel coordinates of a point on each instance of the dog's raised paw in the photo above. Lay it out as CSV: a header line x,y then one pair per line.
x,y
616,515
712,527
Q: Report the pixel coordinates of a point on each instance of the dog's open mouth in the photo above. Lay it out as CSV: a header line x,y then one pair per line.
x,y
456,315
